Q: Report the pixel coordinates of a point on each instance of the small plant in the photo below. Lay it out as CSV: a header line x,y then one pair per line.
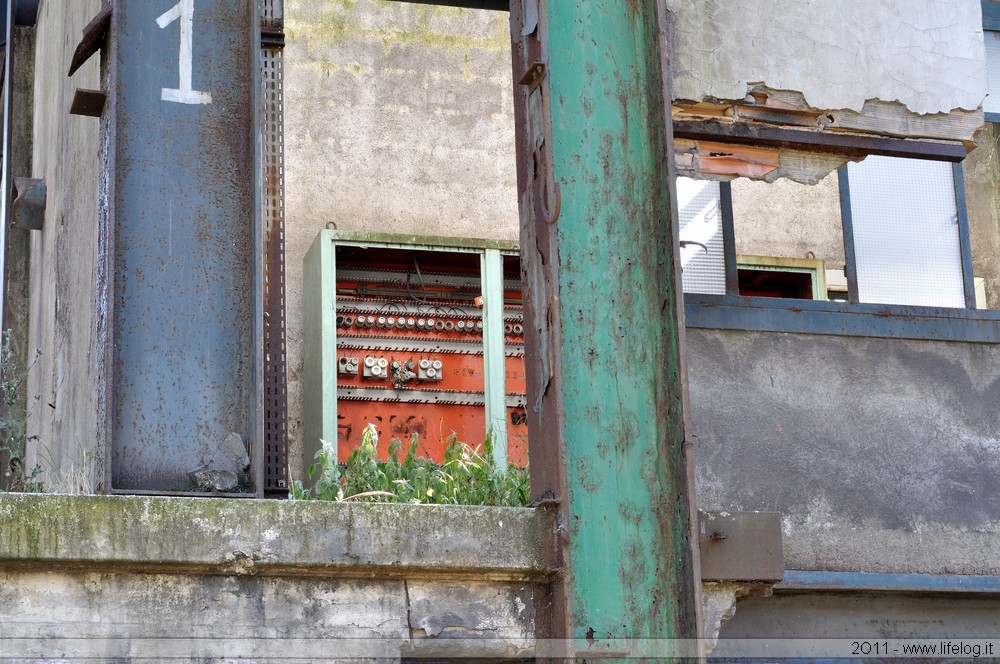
x,y
465,477
14,422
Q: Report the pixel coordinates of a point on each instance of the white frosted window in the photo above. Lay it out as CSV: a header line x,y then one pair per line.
x,y
992,43
698,202
906,241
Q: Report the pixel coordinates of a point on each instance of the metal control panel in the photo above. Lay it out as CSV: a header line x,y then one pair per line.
x,y
410,331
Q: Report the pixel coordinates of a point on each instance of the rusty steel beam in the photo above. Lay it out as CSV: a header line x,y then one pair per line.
x,y
183,292
741,133
605,373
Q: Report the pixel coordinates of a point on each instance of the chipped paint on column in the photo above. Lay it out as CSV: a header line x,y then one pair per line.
x,y
186,292
629,510
927,54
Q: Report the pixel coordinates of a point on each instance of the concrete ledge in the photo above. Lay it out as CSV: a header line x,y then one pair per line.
x,y
269,537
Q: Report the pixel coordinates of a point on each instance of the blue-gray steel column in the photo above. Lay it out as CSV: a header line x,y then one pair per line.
x,y
186,285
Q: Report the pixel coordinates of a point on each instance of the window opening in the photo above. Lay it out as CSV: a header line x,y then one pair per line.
x,y
882,247
767,276
413,348
790,234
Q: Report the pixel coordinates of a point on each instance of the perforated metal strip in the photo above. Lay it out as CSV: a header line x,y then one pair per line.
x,y
273,207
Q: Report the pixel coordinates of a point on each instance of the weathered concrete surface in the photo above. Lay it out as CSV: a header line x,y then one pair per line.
x,y
718,601
855,616
269,537
17,252
117,577
927,54
398,118
981,171
881,455
195,578
52,615
63,254
492,609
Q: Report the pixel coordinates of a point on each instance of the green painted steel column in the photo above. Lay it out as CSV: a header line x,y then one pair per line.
x,y
319,338
494,353
622,378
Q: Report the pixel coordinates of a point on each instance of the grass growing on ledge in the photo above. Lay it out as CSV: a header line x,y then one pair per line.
x,y
465,477
14,422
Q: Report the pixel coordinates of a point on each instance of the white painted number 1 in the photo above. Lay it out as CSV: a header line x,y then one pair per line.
x,y
183,10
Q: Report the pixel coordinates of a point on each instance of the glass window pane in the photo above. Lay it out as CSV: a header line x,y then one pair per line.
x,y
700,209
992,43
906,232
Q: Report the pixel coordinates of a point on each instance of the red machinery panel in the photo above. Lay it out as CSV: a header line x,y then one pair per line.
x,y
410,349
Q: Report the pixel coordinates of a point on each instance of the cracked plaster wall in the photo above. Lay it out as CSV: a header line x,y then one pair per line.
x,y
927,54
880,454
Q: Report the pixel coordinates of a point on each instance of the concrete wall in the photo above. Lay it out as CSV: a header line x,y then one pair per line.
x,y
881,455
398,118
62,317
927,54
789,219
981,173
194,579
856,616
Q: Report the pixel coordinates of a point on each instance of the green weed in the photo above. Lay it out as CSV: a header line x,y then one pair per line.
x,y
465,477
14,422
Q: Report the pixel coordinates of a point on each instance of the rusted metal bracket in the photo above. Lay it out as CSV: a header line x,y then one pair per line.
x,y
93,37
28,210
534,75
272,37
272,25
549,208
88,103
741,546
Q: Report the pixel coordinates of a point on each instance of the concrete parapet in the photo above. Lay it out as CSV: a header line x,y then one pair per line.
x,y
268,537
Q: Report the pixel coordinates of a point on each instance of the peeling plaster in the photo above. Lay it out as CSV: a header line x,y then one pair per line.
x,y
926,54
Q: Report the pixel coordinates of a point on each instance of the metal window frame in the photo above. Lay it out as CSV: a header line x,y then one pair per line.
x,y
991,14
853,318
